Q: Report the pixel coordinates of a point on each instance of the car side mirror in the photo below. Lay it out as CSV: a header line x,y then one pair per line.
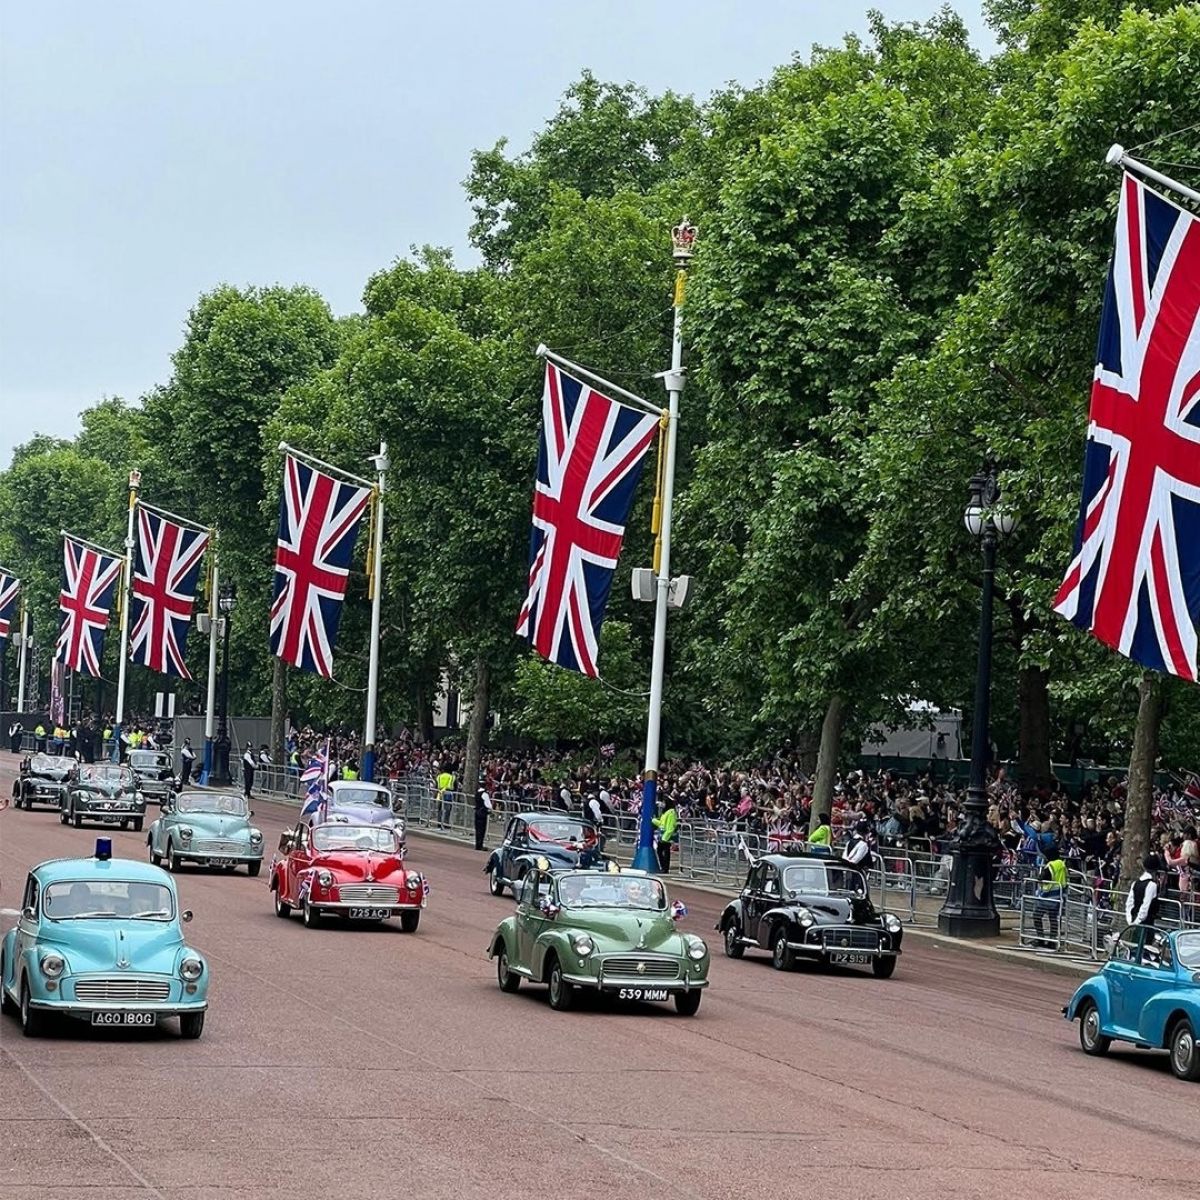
x,y
186,915
28,913
252,812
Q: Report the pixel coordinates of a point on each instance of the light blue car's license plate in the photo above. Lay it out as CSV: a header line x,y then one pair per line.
x,y
220,862
643,994
124,1018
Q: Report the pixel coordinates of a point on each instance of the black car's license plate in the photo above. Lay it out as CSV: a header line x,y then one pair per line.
x,y
843,956
643,994
124,1018
368,914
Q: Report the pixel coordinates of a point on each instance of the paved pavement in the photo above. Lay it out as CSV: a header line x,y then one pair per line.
x,y
373,1063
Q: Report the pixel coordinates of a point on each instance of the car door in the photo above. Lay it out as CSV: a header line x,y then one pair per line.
x,y
752,901
1153,971
516,843
1126,954
530,921
27,928
298,860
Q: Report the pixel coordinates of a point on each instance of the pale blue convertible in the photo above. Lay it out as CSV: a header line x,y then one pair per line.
x,y
101,940
1148,993
209,828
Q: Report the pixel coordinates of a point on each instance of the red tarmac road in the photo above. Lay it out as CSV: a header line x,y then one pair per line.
x,y
358,1063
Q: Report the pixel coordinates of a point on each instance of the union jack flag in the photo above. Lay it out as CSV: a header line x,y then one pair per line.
x,y
318,523
10,588
165,571
1135,579
316,776
89,581
589,461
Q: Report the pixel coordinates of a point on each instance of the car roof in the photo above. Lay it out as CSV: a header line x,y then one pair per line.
x,y
335,785
130,869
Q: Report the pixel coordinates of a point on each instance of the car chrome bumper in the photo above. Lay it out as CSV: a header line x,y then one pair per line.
x,y
107,814
170,1008
202,856
816,950
612,983
347,905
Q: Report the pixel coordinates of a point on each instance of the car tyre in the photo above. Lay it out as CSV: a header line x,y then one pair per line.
x,y
496,882
137,824
410,920
191,1025
33,1022
156,859
1185,1054
282,908
7,1005
62,816
124,825
884,967
77,821
562,993
687,1004
310,916
733,942
1091,1040
253,868
509,981
173,863
781,953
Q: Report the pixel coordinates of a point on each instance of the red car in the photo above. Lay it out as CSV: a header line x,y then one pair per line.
x,y
356,872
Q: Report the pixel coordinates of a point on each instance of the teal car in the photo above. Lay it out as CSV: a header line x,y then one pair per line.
x,y
209,828
1147,994
101,940
611,931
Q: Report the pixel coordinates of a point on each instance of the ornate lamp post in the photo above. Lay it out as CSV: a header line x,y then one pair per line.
x,y
220,776
969,910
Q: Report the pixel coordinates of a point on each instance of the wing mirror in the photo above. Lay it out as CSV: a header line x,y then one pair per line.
x,y
28,913
549,910
186,915
251,812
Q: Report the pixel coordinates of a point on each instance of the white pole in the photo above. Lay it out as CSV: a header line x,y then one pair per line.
x,y
135,479
210,710
368,763
1116,157
21,672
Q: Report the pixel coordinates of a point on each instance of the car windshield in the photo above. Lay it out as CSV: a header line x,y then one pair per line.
x,y
611,891
147,760
361,795
97,898
1187,948
821,880
204,802
376,839
107,773
44,764
555,829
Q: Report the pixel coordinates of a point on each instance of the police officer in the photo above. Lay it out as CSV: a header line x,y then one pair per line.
x,y
483,809
1141,905
248,770
856,854
187,756
1052,887
16,731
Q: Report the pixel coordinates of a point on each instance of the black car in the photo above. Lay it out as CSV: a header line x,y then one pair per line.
x,y
42,780
154,773
808,907
562,840
103,794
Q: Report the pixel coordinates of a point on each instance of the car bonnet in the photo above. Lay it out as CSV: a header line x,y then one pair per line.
x,y
97,944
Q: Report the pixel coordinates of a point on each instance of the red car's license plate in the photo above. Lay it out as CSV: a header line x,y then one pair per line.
x,y
368,914
124,1018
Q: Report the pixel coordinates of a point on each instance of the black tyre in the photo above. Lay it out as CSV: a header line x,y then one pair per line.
x,y
77,821
562,993
508,980
310,916
733,942
253,868
282,909
33,1021
410,920
156,859
1091,1040
137,824
1185,1054
687,1004
62,816
884,967
781,953
495,882
7,1005
124,824
173,863
191,1025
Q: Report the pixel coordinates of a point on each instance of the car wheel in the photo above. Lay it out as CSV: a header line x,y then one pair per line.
x,y
282,909
562,993
156,859
7,1006
124,825
687,1004
33,1022
508,980
137,824
884,967
252,869
310,916
173,863
733,942
496,882
1091,1039
1185,1055
191,1025
410,920
77,821
62,816
781,953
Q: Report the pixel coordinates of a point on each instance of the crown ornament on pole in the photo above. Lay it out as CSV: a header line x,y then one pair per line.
x,y
135,479
683,236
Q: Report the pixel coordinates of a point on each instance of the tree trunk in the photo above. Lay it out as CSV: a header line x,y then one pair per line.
x,y
476,732
827,759
1033,765
424,714
278,708
1139,800
807,743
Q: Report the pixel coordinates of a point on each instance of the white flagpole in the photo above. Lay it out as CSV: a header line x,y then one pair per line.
x,y
135,479
368,763
21,657
1116,157
644,859
210,710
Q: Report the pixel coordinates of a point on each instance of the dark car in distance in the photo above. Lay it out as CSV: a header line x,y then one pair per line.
x,y
43,780
560,840
155,774
814,908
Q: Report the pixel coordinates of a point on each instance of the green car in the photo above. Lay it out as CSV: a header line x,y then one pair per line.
x,y
611,931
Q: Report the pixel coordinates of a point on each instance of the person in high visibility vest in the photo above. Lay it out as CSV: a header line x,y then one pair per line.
x,y
39,737
668,830
823,834
350,770
445,785
1052,889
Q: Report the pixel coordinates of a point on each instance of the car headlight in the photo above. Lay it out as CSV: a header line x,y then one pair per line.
x,y
891,923
696,947
185,834
256,835
583,944
414,881
191,969
325,878
53,965
807,919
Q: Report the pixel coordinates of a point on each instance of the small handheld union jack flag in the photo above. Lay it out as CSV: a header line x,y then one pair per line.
x,y
316,776
678,910
89,581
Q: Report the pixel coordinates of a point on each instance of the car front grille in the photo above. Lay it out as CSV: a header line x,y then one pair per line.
x,y
369,893
117,990
850,938
639,967
216,847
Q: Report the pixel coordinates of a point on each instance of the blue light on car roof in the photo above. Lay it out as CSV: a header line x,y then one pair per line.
x,y
104,849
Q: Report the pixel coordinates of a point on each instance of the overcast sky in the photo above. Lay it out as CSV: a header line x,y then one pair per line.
x,y
151,150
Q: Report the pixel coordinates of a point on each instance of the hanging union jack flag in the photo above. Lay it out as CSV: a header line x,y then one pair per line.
x,y
1135,579
10,589
318,522
89,581
589,460
166,569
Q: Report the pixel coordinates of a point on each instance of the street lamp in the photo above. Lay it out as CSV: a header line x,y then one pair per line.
x,y
226,602
969,910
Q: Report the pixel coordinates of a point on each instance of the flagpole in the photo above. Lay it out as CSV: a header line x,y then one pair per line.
x,y
1116,157
683,235
135,479
210,711
21,656
368,762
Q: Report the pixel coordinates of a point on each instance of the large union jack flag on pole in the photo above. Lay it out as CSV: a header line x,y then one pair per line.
x,y
1135,579
89,580
10,589
589,461
166,569
318,523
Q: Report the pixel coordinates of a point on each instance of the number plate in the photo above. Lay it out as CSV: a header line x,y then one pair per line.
x,y
124,1018
842,956
643,994
220,862
368,914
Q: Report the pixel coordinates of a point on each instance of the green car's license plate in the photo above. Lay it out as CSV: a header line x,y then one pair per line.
x,y
124,1018
368,914
842,956
643,994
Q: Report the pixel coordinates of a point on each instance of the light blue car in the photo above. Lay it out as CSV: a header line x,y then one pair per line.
x,y
101,940
1148,993
209,828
